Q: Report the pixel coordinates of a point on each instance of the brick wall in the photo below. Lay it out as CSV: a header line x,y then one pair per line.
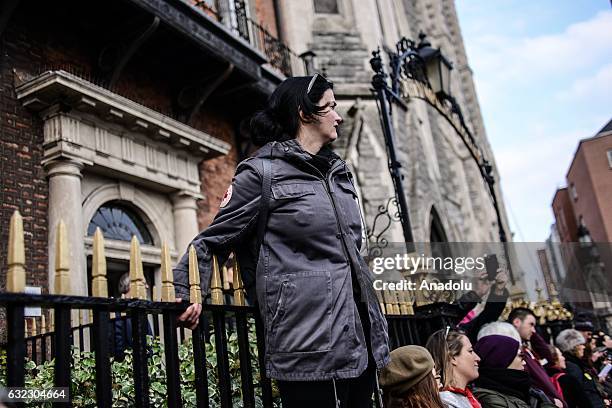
x,y
22,181
23,185
564,216
215,174
265,15
595,154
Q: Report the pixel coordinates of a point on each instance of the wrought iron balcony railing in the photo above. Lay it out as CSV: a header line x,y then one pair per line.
x,y
237,18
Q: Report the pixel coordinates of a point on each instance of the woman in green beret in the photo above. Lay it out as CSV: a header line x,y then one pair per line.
x,y
409,380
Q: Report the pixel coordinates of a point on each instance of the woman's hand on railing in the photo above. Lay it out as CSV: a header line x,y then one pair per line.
x,y
191,316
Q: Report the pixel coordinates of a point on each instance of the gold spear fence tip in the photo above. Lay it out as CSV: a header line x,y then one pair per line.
x,y
15,278
195,291
51,320
226,278
392,302
98,266
216,293
137,281
62,261
167,276
239,294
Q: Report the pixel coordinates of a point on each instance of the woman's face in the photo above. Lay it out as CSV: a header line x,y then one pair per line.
x,y
607,341
465,365
325,125
518,363
579,351
560,359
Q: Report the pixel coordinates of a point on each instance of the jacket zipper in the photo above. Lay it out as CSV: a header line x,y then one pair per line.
x,y
326,184
363,291
359,280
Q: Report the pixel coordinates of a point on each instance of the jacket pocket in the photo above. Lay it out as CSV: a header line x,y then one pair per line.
x,y
294,204
301,321
293,190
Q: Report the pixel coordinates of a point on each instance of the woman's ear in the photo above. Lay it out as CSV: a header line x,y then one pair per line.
x,y
453,361
306,119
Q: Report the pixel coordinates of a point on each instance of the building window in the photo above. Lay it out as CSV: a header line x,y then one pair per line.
x,y
119,222
437,237
326,6
240,18
573,192
610,158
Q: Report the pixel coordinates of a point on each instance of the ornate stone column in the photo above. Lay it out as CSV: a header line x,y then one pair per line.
x,y
185,220
65,205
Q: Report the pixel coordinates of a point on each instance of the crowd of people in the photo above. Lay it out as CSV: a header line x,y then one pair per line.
x,y
510,365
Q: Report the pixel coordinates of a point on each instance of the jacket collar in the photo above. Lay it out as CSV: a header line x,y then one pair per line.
x,y
292,151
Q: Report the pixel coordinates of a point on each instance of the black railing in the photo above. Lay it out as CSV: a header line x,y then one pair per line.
x,y
237,18
279,55
237,320
416,328
218,323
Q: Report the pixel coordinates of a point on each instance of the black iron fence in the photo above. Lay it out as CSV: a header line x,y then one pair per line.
x,y
217,324
97,337
218,364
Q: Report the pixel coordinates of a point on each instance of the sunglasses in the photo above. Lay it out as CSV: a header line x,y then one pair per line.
x,y
313,80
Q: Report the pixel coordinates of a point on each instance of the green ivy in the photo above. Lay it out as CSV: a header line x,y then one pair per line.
x,y
83,385
2,366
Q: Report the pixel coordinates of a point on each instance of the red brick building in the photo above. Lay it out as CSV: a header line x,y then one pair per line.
x,y
589,180
125,115
583,220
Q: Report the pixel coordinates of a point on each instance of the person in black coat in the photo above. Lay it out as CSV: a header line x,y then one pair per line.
x,y
571,342
567,385
122,325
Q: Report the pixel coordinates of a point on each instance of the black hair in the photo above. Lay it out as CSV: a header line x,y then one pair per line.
x,y
520,313
280,120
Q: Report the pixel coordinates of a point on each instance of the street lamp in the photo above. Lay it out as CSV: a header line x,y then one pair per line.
x,y
308,58
437,67
586,242
426,71
584,236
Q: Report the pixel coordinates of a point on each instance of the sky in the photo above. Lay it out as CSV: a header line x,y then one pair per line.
x,y
543,75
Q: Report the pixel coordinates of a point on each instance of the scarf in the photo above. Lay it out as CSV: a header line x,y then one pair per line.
x,y
466,393
515,383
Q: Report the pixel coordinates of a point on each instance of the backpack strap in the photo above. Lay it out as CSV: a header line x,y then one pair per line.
x,y
264,203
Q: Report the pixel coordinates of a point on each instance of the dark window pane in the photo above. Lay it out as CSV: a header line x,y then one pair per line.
x,y
326,6
119,222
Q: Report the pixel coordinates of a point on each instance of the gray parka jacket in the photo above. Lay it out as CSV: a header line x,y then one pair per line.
x,y
302,278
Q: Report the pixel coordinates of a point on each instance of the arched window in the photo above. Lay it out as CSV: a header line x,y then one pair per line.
x,y
437,233
437,237
119,222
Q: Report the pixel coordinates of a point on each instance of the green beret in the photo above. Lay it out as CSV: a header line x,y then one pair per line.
x,y
409,365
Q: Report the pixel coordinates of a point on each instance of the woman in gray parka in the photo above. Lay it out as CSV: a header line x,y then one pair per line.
x,y
325,334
